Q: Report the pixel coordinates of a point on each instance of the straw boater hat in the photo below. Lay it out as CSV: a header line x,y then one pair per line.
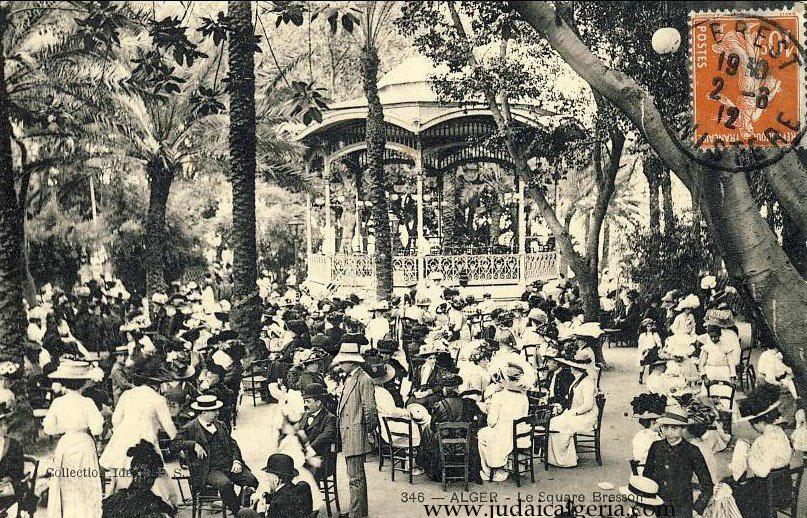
x,y
206,402
674,415
642,490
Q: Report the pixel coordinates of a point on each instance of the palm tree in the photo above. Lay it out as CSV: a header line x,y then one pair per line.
x,y
374,16
242,42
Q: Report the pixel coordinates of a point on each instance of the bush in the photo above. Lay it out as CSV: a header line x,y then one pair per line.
x,y
657,263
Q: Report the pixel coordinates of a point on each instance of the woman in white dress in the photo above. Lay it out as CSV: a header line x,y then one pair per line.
x,y
580,417
75,487
140,414
684,322
509,404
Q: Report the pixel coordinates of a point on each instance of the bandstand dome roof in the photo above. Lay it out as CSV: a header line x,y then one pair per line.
x,y
410,102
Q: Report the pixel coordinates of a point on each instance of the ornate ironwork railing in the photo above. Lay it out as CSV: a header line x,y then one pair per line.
x,y
353,270
404,270
319,268
540,265
359,270
495,268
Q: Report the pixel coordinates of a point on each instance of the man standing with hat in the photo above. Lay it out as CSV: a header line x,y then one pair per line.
x,y
357,418
215,458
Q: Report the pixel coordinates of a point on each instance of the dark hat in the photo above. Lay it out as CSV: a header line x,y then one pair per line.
x,y
314,391
386,346
451,381
281,465
381,372
762,400
319,340
298,327
191,335
222,336
222,315
648,405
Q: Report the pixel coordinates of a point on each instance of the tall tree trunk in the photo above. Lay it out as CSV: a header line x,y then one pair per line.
x,y
606,244
29,287
449,211
376,141
12,314
652,171
160,176
245,315
666,202
794,243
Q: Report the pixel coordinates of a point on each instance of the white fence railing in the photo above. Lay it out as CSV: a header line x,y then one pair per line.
x,y
482,269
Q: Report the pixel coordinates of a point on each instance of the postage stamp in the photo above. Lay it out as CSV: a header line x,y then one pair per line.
x,y
747,79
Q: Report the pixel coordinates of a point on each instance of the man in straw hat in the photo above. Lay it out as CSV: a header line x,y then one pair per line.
x,y
672,462
356,416
215,456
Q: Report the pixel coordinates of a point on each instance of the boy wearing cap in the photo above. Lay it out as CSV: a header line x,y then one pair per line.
x,y
672,462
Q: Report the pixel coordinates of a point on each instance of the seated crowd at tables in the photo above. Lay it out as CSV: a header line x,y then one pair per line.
x,y
159,380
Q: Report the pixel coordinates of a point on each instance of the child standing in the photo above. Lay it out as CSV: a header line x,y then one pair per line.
x,y
672,462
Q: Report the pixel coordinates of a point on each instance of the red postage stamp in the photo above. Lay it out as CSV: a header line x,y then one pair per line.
x,y
747,78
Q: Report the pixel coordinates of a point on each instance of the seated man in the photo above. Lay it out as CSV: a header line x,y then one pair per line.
x,y
279,496
214,457
318,427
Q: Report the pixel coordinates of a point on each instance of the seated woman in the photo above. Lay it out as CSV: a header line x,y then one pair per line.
x,y
11,456
513,377
580,417
448,409
684,322
752,465
720,351
648,340
646,408
138,500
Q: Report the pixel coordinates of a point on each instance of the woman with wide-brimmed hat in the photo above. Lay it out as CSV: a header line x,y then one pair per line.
x,y
581,416
514,377
647,408
140,414
751,465
76,419
684,322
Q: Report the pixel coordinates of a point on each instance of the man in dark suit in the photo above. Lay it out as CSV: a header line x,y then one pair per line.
x,y
560,379
630,317
214,457
286,499
357,418
318,428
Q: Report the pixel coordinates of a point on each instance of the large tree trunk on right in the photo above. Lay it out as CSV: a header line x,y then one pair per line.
x,y
246,317
748,247
376,142
794,243
160,177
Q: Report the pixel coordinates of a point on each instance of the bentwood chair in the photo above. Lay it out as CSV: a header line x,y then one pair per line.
x,y
589,442
454,442
784,502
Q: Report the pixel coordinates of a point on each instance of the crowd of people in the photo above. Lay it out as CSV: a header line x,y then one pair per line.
x,y
128,385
